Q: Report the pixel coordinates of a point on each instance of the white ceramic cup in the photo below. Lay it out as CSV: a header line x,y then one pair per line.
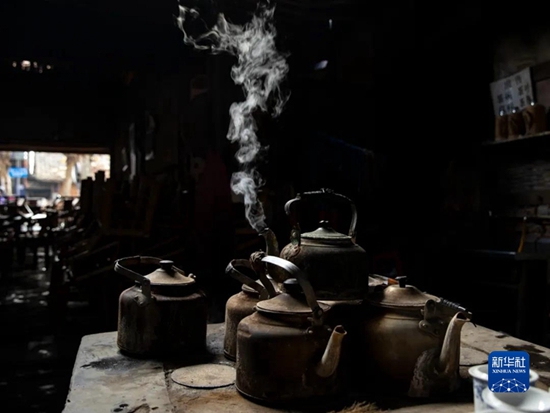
x,y
533,400
480,378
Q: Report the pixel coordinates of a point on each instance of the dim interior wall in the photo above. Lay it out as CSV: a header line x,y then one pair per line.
x,y
164,104
61,110
517,174
515,52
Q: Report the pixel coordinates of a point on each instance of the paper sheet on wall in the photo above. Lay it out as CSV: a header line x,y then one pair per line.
x,y
514,91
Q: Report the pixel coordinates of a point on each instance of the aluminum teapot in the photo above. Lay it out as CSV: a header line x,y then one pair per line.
x,y
336,265
243,304
285,352
164,314
412,340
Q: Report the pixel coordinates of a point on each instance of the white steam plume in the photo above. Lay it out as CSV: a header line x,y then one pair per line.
x,y
260,69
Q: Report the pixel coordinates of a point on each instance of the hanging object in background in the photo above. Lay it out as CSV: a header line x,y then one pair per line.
x,y
534,117
164,314
501,126
516,125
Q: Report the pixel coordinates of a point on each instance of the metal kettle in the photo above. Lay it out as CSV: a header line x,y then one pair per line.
x,y
285,352
412,340
338,267
243,304
164,314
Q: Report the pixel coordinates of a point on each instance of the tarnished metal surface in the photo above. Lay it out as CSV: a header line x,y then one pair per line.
x,y
400,296
164,326
254,285
349,314
336,272
243,304
238,306
204,376
299,280
395,339
278,361
285,303
165,316
272,248
337,266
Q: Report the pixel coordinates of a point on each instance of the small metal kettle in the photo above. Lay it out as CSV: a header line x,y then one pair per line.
x,y
164,314
243,304
285,351
338,267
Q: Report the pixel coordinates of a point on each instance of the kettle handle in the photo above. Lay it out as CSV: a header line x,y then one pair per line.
x,y
301,276
232,270
327,193
139,278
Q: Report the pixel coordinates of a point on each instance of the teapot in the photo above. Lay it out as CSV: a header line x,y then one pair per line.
x,y
285,352
164,314
244,303
412,340
338,267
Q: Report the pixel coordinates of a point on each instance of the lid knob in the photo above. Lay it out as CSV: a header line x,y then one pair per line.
x,y
166,265
402,281
292,286
324,224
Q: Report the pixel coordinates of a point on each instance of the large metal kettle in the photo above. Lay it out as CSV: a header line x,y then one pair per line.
x,y
285,352
337,266
412,340
243,304
164,314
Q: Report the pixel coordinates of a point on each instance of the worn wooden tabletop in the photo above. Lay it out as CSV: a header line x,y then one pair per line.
x,y
104,380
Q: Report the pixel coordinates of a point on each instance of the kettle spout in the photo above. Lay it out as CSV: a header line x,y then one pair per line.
x,y
331,357
271,244
449,358
272,248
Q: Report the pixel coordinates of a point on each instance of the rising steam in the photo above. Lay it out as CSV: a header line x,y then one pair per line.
x,y
260,69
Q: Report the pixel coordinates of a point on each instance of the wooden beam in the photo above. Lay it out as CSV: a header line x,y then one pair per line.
x,y
64,147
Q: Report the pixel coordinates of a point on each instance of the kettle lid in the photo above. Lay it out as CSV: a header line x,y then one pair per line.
x,y
325,233
167,274
401,296
291,302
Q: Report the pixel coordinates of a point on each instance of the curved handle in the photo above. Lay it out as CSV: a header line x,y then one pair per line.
x,y
260,269
323,193
139,278
301,276
239,276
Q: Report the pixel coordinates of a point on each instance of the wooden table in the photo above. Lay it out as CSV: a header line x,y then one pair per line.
x,y
103,380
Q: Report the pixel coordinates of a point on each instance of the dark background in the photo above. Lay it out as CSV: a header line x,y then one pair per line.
x,y
395,121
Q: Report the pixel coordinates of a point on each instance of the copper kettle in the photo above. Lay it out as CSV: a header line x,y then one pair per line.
x,y
337,266
412,340
285,351
164,314
243,304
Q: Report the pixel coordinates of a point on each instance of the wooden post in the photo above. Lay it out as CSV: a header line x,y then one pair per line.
x,y
4,175
67,182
